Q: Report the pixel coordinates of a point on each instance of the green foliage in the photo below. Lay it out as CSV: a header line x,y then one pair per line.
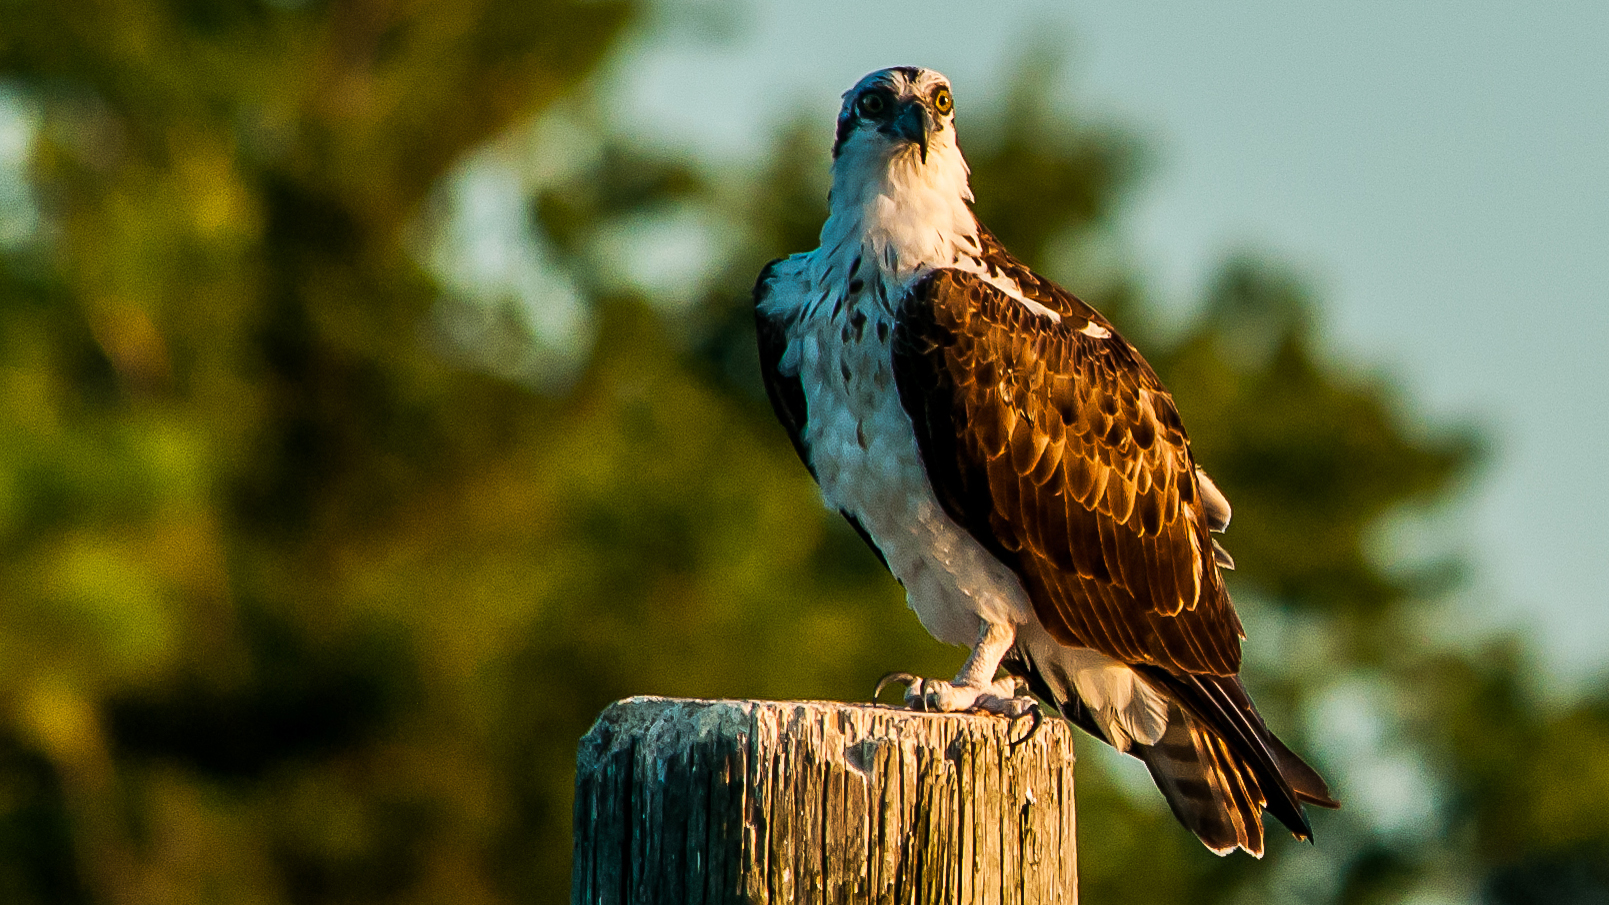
x,y
298,607
225,444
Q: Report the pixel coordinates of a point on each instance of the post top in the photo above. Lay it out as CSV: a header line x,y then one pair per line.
x,y
669,723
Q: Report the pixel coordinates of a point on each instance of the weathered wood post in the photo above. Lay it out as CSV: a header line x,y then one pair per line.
x,y
771,802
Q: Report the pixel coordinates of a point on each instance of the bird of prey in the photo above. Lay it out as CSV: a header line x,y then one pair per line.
x,y
1019,468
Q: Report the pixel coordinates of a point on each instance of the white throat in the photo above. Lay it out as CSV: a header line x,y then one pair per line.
x,y
897,214
894,218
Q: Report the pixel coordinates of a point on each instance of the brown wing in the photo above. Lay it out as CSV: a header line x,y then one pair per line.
x,y
1061,452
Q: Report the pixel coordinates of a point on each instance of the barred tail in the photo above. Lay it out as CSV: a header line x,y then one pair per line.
x,y
1216,762
1208,790
1220,768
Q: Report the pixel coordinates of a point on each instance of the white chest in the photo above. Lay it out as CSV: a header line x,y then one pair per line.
x,y
866,459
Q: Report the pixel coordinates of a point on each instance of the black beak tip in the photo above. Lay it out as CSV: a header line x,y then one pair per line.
x,y
912,125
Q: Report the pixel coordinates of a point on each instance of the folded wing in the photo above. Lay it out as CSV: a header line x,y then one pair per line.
x,y
1057,447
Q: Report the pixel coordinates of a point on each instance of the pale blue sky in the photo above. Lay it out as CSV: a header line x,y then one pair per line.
x,y
1439,172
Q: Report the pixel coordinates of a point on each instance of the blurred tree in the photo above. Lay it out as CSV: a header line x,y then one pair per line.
x,y
224,440
304,602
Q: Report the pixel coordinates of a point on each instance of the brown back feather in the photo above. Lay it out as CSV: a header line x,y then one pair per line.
x,y
1063,454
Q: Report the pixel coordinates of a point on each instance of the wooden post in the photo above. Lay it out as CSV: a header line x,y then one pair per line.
x,y
763,802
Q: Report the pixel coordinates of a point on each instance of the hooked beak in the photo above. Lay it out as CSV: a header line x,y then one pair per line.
x,y
911,124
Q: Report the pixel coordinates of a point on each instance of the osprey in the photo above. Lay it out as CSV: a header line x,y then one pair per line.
x,y
1020,470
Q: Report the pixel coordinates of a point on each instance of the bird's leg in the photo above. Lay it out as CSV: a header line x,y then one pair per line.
x,y
974,687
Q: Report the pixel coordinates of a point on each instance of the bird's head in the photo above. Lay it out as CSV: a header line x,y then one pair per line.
x,y
899,182
898,118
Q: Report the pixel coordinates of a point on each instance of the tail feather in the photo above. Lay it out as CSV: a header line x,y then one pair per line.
x,y
1244,799
1220,705
1185,769
1304,780
1217,763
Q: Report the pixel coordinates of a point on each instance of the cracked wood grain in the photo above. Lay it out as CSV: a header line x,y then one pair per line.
x,y
690,802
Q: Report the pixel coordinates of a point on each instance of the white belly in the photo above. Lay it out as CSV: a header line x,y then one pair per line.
x,y
865,457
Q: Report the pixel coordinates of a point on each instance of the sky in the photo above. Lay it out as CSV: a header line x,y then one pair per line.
x,y
1438,172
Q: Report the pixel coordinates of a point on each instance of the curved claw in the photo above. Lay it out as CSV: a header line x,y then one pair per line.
x,y
904,678
1039,720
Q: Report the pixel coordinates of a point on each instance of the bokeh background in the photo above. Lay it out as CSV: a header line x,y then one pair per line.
x,y
378,401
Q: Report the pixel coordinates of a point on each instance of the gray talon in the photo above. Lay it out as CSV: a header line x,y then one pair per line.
x,y
1038,720
904,678
920,699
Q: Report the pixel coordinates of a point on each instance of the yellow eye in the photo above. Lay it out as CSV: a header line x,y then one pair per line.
x,y
942,102
872,104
